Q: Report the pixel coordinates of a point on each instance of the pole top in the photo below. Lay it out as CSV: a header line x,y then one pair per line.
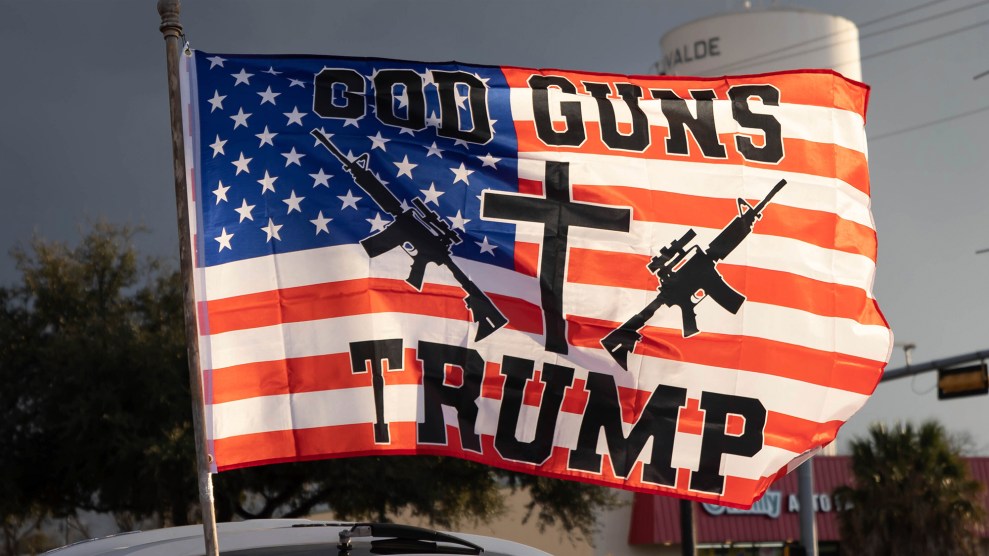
x,y
169,12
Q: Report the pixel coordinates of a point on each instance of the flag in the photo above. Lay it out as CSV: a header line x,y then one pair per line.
x,y
652,283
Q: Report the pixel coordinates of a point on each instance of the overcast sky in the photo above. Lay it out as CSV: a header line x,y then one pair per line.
x,y
84,127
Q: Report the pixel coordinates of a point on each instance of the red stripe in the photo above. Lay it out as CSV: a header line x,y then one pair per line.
x,y
745,353
756,284
821,228
800,156
357,440
358,297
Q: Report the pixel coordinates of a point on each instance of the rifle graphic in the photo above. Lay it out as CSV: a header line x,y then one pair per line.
x,y
687,277
422,235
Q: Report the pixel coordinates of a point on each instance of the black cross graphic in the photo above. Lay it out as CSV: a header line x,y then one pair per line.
x,y
557,212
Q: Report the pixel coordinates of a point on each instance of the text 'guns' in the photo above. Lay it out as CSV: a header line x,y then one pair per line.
x,y
687,277
422,235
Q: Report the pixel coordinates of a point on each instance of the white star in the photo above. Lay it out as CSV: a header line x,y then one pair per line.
x,y
296,83
461,174
349,200
242,164
377,223
216,101
407,131
488,160
324,134
272,230
405,167
240,119
432,120
351,122
224,240
267,183
220,192
405,205
434,150
242,77
245,211
217,146
461,142
460,98
486,247
432,195
268,96
216,61
321,178
320,222
271,70
295,117
378,142
403,98
458,221
293,202
266,137
292,157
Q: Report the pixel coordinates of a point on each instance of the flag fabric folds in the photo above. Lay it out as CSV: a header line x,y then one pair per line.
x,y
653,283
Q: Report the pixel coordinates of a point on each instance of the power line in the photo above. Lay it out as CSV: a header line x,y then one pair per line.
x,y
881,136
736,65
922,41
829,35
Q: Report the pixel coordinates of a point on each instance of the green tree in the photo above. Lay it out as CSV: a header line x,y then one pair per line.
x,y
94,414
911,494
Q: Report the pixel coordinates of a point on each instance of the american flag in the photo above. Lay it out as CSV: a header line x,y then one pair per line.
x,y
286,290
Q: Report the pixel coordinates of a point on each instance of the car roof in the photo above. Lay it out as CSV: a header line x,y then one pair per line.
x,y
275,537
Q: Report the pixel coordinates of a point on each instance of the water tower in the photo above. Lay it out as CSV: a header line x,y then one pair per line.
x,y
762,40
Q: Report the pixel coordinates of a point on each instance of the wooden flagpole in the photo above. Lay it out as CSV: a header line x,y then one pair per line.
x,y
171,29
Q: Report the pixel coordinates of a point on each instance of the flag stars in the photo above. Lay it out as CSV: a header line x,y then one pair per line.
x,y
321,178
458,221
242,164
221,192
378,142
431,195
217,146
224,240
216,101
272,230
434,151
321,223
271,70
296,83
268,96
377,223
266,137
405,167
293,203
486,247
242,77
215,61
295,117
240,119
349,200
267,183
293,157
245,211
488,160
461,174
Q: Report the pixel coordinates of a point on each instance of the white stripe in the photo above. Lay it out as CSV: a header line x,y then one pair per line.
x,y
819,124
350,262
313,409
754,320
717,181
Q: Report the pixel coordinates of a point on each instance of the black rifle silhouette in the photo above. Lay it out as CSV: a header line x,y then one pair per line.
x,y
687,277
421,233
